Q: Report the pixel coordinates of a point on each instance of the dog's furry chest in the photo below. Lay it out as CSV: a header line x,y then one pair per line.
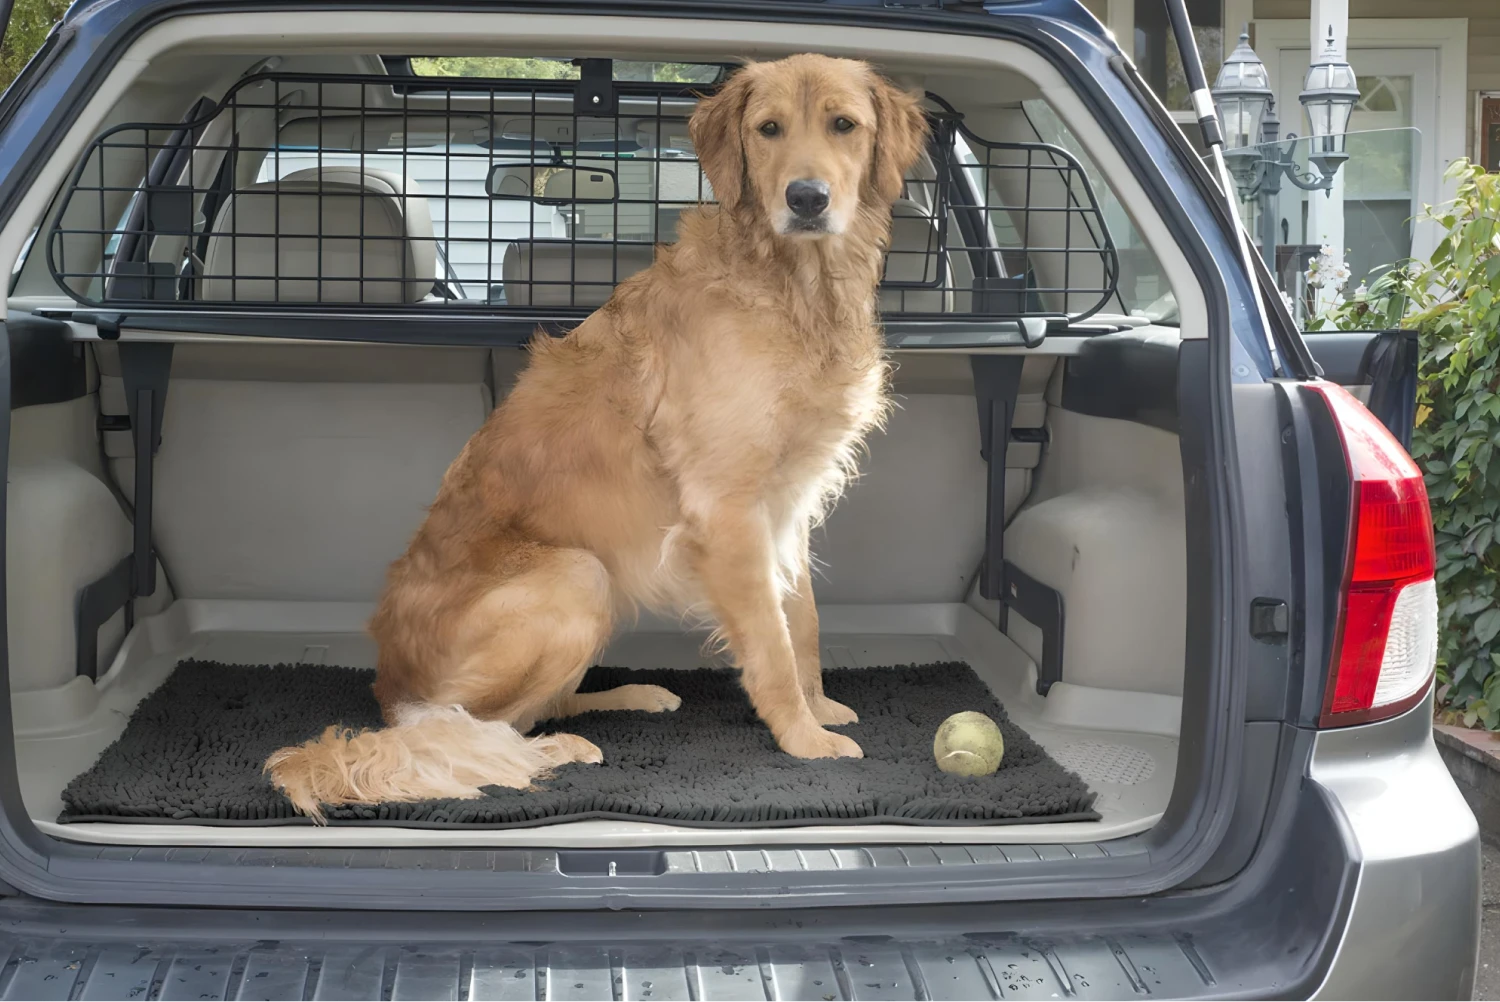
x,y
825,416
790,429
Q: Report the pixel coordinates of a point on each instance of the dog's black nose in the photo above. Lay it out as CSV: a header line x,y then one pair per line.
x,y
807,198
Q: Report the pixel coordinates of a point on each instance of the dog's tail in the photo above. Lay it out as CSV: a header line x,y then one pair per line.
x,y
431,752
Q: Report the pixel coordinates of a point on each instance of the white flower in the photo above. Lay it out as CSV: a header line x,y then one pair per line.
x,y
1286,298
1326,271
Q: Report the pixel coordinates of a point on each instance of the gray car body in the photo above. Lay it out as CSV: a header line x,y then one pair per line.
x,y
1356,877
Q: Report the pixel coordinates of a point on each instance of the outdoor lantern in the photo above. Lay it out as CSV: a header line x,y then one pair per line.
x,y
1241,93
1260,166
1330,93
1270,125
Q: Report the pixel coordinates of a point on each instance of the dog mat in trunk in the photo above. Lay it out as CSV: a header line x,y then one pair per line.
x,y
193,750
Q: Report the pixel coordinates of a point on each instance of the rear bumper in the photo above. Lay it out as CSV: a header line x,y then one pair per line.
x,y
1413,928
1366,886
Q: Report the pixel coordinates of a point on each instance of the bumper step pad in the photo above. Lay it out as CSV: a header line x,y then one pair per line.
x,y
974,967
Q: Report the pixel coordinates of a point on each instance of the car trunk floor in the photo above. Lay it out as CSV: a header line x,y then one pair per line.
x,y
1121,744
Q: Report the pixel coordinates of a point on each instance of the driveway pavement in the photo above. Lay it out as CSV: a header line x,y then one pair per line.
x,y
1487,978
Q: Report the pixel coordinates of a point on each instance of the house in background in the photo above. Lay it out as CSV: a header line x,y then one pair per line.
x,y
1429,83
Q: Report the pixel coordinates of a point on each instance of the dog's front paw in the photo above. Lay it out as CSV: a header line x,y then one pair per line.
x,y
832,713
651,698
815,742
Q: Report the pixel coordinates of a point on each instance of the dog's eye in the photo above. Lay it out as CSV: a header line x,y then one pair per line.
x,y
842,124
770,130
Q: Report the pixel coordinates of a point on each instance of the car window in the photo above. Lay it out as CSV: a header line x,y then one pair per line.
x,y
1143,288
556,68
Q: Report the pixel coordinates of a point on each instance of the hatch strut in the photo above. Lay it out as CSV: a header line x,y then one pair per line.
x,y
1213,139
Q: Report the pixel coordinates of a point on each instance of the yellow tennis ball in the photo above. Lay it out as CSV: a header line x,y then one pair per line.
x,y
968,744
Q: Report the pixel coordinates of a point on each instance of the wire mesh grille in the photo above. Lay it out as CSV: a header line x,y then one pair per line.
x,y
457,195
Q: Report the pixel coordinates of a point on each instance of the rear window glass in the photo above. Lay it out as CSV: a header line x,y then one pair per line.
x,y
549,68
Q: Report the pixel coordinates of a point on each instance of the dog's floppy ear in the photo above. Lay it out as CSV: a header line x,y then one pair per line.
x,y
715,129
900,137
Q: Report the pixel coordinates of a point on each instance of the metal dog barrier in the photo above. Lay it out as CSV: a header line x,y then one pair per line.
x,y
526,199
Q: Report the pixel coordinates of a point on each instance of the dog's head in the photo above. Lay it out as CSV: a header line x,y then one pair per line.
x,y
804,142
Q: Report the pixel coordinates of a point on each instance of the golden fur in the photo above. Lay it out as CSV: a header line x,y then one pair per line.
x,y
673,451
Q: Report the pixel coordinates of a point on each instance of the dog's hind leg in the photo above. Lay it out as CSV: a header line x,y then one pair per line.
x,y
554,618
534,638
651,698
517,649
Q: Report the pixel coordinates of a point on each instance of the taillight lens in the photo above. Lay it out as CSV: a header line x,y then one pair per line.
x,y
1385,646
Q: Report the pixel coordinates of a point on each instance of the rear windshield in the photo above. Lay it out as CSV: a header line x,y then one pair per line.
x,y
553,68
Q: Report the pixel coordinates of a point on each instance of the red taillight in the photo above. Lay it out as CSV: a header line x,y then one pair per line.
x,y
1385,645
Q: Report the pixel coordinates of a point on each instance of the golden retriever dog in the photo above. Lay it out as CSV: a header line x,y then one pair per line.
x,y
672,452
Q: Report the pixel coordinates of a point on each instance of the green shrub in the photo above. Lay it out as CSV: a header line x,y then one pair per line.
x,y
1453,300
30,20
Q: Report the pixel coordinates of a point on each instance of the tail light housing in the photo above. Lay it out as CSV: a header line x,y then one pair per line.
x,y
1385,643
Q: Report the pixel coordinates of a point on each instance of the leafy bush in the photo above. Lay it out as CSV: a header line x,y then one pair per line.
x,y
30,20
1453,300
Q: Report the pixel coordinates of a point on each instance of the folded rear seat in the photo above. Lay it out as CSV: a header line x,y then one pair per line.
x,y
583,273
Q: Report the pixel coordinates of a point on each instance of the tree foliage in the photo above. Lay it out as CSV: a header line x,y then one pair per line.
x,y
539,68
1453,301
30,20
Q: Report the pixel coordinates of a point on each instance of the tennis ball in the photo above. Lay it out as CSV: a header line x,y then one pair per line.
x,y
968,744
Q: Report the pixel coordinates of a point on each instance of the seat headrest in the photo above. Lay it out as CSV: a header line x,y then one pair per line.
x,y
515,181
322,235
569,272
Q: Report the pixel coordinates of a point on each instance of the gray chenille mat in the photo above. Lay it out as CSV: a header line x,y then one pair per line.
x,y
193,750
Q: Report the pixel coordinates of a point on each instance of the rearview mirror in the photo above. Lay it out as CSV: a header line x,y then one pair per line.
x,y
552,184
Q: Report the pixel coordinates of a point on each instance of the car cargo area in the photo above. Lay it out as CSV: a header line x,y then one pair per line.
x,y
283,488
295,461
